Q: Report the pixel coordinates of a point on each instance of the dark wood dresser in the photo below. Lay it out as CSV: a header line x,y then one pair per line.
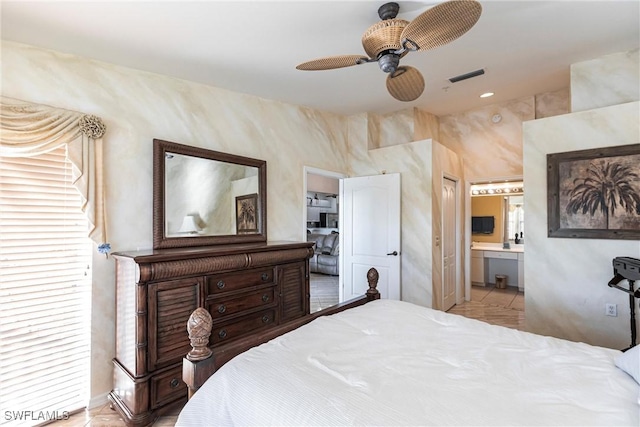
x,y
247,288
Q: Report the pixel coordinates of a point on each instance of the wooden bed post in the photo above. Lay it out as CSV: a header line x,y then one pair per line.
x,y
198,365
372,278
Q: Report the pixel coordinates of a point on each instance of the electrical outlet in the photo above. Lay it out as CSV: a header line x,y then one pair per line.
x,y
611,310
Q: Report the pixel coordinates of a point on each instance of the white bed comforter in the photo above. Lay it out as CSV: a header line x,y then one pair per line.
x,y
395,363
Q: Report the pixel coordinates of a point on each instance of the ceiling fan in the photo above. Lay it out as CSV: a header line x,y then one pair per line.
x,y
387,41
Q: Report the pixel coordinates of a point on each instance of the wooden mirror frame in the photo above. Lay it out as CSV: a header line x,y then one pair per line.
x,y
160,240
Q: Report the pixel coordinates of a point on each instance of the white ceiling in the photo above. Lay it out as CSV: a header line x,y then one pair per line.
x,y
252,47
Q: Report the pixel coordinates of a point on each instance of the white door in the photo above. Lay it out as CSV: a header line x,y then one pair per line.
x,y
449,262
370,234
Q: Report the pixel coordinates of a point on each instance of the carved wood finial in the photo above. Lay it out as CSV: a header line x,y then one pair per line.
x,y
199,328
372,278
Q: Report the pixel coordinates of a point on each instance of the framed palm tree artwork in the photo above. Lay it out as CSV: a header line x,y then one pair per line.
x,y
594,194
247,214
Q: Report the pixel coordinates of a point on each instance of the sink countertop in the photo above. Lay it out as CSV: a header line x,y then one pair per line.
x,y
496,247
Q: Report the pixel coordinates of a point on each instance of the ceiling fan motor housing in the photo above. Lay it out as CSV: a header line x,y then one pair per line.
x,y
383,36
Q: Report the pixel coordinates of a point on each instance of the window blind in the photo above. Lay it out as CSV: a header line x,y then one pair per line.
x,y
45,291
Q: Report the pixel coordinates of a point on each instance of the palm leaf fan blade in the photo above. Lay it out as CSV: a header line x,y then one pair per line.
x,y
332,62
405,84
442,23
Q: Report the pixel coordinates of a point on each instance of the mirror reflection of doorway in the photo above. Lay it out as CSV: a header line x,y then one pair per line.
x,y
322,201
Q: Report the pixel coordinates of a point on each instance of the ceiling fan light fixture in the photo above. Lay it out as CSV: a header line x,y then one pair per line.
x,y
389,62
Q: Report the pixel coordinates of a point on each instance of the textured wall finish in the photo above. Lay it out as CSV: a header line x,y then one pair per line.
x,y
413,162
390,129
567,279
400,127
551,104
426,125
489,149
137,107
609,80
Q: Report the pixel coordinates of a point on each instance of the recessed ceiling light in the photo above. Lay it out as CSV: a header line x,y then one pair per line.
x,y
486,95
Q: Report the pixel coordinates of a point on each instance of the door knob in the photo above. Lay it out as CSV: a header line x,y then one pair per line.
x,y
394,253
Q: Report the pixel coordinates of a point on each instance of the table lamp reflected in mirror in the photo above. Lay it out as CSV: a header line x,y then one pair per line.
x,y
190,225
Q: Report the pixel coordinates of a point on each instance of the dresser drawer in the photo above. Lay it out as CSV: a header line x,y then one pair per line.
x,y
500,255
231,330
167,387
225,306
235,281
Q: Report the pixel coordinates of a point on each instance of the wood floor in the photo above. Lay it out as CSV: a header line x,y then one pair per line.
x,y
503,307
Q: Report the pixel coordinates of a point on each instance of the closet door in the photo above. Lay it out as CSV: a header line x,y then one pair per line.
x,y
449,249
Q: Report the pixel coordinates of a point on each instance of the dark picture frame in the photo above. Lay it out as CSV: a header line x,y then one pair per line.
x,y
594,194
247,215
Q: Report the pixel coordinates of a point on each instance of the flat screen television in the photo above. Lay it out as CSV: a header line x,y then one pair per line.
x,y
482,224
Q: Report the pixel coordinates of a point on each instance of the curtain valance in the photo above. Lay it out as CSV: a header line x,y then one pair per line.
x,y
28,129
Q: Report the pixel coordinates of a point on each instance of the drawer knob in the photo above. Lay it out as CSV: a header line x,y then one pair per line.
x,y
220,284
265,276
222,308
174,383
265,319
222,334
265,298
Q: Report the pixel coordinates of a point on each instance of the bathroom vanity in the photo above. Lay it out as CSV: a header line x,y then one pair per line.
x,y
489,259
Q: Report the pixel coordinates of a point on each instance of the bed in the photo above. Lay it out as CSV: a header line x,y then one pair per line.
x,y
394,363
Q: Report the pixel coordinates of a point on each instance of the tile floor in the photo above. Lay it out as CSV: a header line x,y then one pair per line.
x,y
503,307
104,416
323,291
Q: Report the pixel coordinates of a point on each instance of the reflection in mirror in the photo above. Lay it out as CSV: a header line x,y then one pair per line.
x,y
201,194
516,218
205,197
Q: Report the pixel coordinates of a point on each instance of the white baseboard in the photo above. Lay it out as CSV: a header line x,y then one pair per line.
x,y
97,401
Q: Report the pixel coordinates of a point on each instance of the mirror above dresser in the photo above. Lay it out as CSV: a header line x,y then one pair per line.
x,y
203,197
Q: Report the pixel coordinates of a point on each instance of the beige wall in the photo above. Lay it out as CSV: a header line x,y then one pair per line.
x,y
566,279
601,82
489,150
413,161
322,184
137,107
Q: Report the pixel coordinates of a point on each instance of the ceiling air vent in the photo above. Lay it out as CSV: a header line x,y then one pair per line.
x,y
466,76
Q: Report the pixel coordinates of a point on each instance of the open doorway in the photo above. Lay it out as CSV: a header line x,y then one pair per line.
x,y
495,261
322,226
